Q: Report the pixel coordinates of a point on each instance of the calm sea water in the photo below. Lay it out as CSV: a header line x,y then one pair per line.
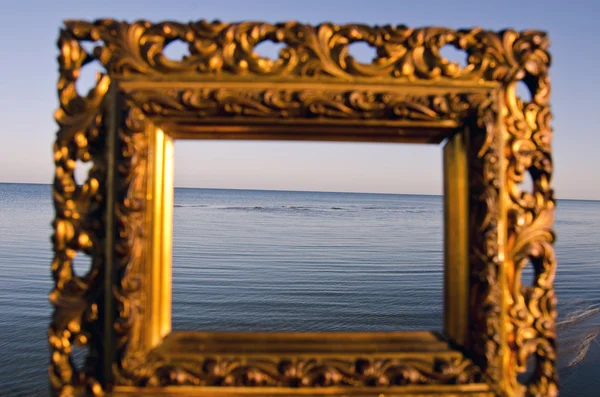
x,y
271,260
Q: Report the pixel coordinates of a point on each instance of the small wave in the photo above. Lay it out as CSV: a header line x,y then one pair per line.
x,y
578,331
584,348
322,209
415,211
254,208
278,208
580,315
571,222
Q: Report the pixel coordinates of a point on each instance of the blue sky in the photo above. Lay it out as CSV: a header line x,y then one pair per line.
x,y
28,73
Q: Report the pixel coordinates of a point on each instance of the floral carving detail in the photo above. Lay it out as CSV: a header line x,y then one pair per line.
x,y
484,190
300,104
131,230
315,372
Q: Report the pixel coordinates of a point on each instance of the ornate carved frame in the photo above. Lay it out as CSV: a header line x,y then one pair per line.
x,y
119,311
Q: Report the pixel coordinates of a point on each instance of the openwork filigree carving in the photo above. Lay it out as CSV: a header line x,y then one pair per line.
x,y
314,81
312,51
532,308
78,225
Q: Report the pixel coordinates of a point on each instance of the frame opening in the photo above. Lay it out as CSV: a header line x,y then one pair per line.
x,y
307,261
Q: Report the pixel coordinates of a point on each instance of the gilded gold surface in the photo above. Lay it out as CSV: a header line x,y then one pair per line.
x,y
309,360
120,217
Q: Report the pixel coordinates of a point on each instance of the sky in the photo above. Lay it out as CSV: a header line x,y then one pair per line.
x,y
28,74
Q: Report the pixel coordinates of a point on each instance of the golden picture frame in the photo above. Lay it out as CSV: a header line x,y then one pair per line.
x,y
496,328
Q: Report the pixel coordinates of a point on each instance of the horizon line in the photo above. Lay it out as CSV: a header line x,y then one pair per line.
x,y
307,191
291,190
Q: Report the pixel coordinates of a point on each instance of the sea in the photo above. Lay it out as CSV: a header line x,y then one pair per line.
x,y
256,260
